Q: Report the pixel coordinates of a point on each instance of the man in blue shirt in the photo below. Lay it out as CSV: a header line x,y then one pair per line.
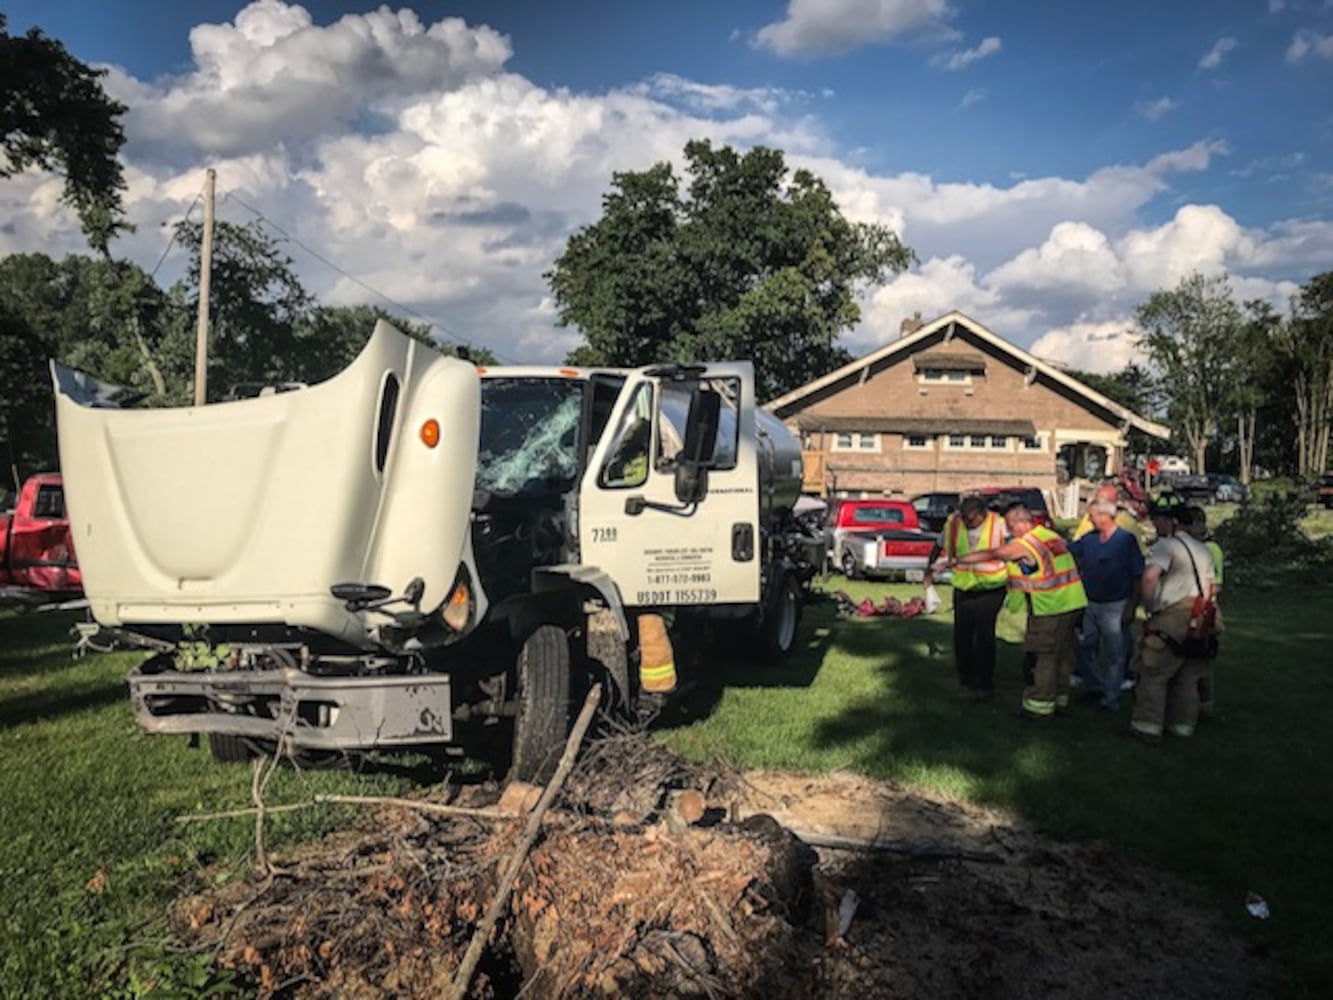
x,y
1111,563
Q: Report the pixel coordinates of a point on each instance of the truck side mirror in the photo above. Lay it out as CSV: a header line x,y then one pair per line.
x,y
701,425
691,483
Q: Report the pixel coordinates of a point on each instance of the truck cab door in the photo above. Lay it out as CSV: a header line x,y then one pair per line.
x,y
669,529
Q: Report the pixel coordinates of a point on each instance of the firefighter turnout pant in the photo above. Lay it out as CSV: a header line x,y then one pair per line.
x,y
657,659
1166,698
1049,650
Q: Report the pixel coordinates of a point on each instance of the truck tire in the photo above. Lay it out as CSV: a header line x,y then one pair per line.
x,y
782,616
541,725
850,569
229,749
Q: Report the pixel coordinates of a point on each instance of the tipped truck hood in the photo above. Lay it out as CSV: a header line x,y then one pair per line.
x,y
248,512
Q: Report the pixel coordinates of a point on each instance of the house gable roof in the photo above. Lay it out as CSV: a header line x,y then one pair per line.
x,y
785,406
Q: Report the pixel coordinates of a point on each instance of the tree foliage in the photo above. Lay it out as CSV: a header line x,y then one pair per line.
x,y
54,115
1191,331
748,261
1305,345
99,315
110,319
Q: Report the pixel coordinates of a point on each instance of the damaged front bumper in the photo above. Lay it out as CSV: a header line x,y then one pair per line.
x,y
297,709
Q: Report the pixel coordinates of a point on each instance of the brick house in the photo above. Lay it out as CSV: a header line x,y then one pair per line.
x,y
951,405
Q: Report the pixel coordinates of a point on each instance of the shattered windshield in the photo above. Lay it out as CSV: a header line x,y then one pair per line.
x,y
529,435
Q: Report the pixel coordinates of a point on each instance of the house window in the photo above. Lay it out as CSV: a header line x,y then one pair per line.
x,y
978,442
944,376
918,442
856,441
1036,442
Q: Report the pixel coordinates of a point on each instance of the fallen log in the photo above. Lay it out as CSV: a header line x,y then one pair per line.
x,y
910,849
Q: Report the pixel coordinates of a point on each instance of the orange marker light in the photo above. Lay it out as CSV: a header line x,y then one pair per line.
x,y
430,433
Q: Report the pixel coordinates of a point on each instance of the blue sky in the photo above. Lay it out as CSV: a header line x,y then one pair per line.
x,y
1051,163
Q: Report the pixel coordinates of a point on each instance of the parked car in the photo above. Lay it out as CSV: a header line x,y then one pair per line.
x,y
37,563
1001,498
1227,488
846,516
878,538
933,509
1193,489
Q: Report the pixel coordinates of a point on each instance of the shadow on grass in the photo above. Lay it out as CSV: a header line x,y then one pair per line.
x,y
33,644
40,706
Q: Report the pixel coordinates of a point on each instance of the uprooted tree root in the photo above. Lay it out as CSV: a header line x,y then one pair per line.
x,y
629,894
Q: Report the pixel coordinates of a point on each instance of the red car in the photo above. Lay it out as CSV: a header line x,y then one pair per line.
x,y
37,563
878,538
1001,498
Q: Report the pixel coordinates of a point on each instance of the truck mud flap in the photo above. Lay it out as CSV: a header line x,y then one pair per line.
x,y
301,710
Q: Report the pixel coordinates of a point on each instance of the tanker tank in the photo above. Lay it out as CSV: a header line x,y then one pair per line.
x,y
780,475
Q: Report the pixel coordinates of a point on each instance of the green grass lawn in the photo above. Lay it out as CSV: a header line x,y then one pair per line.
x,y
90,855
1245,805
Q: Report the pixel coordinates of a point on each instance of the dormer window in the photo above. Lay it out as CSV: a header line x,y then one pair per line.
x,y
948,367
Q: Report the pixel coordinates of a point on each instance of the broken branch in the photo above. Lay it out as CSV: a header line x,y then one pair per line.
x,y
463,977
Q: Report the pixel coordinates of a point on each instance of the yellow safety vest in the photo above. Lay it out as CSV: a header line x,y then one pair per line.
x,y
1054,587
978,576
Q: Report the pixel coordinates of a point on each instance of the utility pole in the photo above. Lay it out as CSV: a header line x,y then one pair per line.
x,y
205,274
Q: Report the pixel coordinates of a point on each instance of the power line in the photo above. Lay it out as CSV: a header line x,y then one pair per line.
x,y
450,336
175,232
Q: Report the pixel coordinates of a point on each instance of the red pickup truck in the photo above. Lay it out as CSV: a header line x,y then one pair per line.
x,y
37,562
878,538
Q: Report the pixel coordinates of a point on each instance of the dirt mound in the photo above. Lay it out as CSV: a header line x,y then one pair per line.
x,y
641,887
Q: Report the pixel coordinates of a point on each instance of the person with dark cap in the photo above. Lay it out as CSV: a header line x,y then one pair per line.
x,y
1177,582
978,593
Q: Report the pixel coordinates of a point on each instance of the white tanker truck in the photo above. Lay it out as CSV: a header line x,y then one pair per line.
x,y
417,549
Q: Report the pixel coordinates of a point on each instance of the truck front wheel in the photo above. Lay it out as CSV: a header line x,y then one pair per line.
x,y
542,721
229,749
777,633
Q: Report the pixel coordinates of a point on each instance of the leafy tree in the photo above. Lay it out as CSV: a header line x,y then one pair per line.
x,y
747,262
1190,332
330,337
1305,344
54,115
99,315
256,302
1249,374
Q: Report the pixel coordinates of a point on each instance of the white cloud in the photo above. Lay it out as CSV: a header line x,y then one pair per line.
x,y
712,98
1104,347
1308,42
1214,56
973,96
966,57
1155,109
272,76
1074,257
466,190
827,27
